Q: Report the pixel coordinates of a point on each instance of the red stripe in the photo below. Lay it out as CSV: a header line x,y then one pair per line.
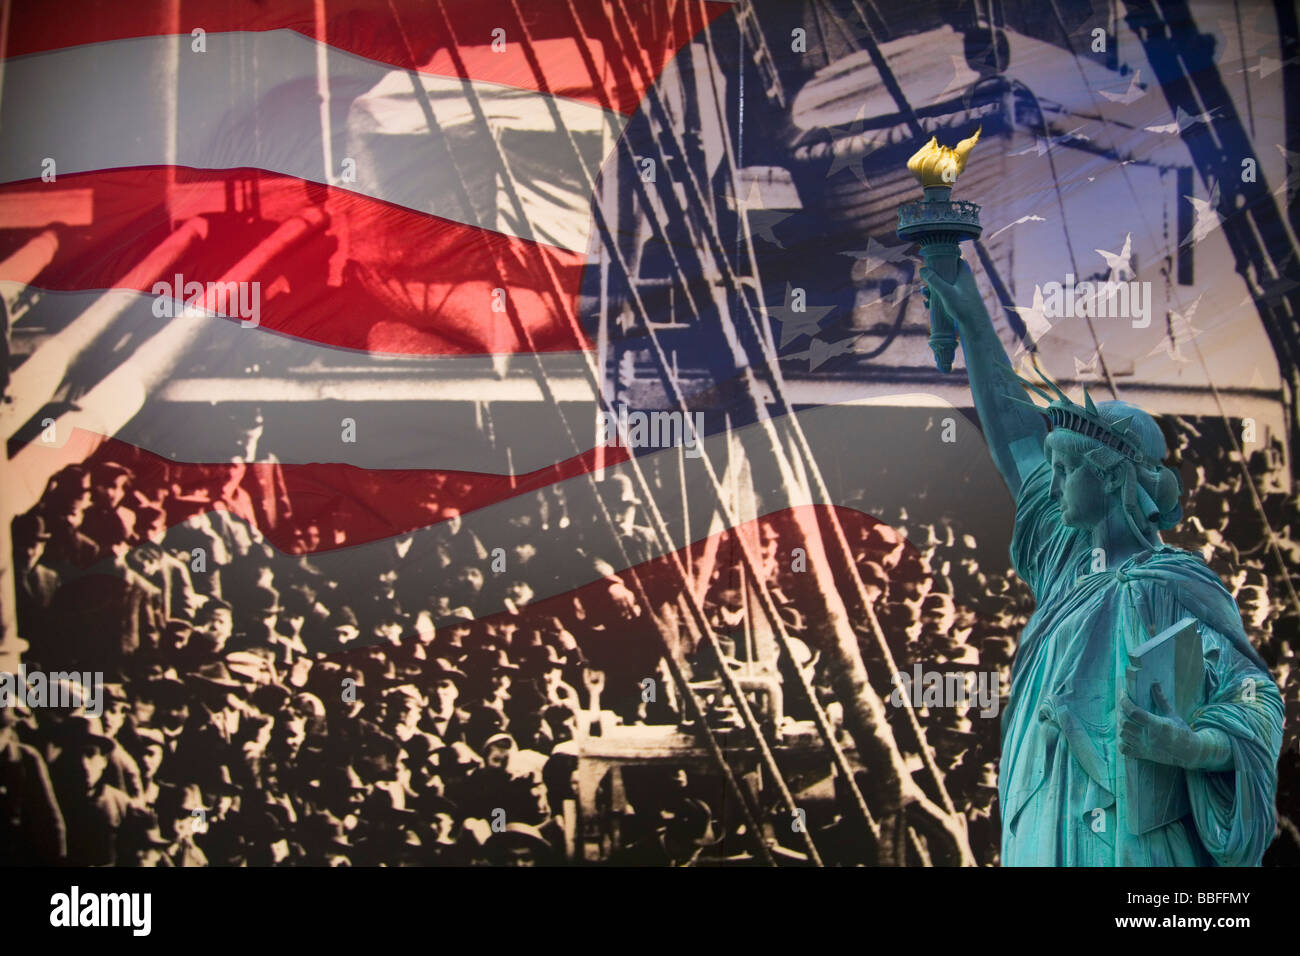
x,y
347,504
367,28
407,313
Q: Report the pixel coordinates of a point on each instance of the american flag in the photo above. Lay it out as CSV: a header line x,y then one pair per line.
x,y
407,192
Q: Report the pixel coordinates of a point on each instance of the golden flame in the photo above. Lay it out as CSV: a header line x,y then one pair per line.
x,y
936,165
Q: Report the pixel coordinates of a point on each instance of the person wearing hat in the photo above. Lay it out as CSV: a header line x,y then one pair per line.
x,y
455,544
163,703
34,584
141,843
143,570
448,842
342,623
149,748
181,814
494,787
256,667
64,509
492,673
92,808
550,663
123,771
208,738
214,625
687,828
403,707
442,717
326,839
107,520
150,525
469,588
262,486
285,643
259,609
455,764
32,830
521,763
519,844
452,639
180,597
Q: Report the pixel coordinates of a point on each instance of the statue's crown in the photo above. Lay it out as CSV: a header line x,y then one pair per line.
x,y
1084,419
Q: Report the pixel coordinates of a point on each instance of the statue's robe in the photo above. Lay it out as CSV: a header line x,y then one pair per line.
x,y
1057,780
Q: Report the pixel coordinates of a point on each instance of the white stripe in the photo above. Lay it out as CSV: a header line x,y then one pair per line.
x,y
251,100
332,383
305,389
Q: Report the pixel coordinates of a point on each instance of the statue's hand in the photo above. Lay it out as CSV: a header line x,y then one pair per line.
x,y
1163,736
961,299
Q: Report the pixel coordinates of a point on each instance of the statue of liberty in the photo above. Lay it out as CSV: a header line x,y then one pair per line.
x,y
1090,775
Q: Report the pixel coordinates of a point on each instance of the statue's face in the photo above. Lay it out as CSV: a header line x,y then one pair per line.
x,y
1078,490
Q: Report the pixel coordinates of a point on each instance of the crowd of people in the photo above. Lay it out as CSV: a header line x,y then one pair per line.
x,y
408,705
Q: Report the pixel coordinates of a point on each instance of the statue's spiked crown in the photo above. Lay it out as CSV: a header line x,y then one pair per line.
x,y
1084,419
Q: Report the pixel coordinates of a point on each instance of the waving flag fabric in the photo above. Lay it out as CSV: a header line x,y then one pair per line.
x,y
427,135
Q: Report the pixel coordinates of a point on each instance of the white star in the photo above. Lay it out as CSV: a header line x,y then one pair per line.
x,y
1267,66
830,350
877,254
1207,216
1181,322
758,217
1135,91
1183,120
819,353
1090,368
1171,348
1180,331
1121,264
899,293
1036,323
795,323
846,158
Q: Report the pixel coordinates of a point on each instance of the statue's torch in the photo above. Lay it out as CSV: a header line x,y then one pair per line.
x,y
939,223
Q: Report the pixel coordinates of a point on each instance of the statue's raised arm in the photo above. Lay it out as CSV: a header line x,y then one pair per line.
x,y
1013,430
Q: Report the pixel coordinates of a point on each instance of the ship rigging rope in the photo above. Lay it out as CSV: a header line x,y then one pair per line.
x,y
698,199
693,701
918,798
673,387
934,811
